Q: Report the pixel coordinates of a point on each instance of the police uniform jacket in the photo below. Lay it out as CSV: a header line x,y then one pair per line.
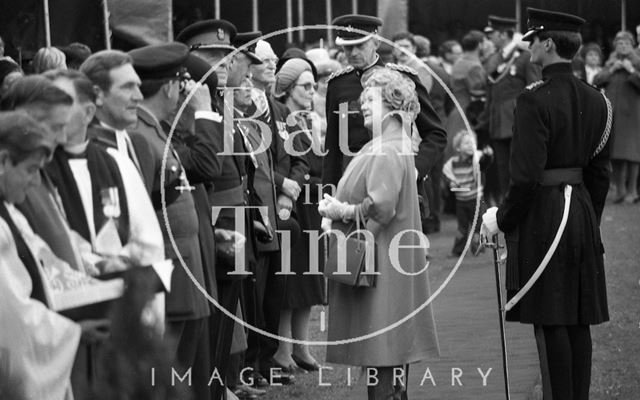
x,y
508,76
345,87
559,124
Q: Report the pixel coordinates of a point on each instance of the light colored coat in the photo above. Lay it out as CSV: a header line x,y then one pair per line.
x,y
389,181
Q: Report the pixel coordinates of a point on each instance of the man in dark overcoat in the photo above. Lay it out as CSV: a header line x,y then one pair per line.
x,y
559,154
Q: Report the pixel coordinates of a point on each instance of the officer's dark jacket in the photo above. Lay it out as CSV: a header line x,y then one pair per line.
x,y
559,123
347,87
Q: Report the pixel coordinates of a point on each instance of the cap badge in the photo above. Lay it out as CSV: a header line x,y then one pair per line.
x,y
220,34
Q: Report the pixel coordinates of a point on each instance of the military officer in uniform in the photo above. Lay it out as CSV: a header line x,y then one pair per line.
x,y
343,104
509,71
160,68
560,138
211,40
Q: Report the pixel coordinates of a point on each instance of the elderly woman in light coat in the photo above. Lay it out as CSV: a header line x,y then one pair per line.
x,y
380,182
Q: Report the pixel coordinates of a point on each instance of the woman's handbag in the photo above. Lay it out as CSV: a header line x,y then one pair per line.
x,y
351,253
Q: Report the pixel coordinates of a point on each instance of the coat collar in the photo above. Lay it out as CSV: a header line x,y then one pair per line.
x,y
147,117
556,69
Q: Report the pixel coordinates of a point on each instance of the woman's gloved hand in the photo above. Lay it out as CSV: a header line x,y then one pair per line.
x,y
325,225
330,207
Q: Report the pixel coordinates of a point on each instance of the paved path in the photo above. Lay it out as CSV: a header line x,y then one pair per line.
x,y
469,338
468,330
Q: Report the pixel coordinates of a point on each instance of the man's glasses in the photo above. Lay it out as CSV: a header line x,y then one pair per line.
x,y
309,85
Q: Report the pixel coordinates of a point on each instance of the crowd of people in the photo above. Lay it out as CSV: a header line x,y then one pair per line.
x,y
209,199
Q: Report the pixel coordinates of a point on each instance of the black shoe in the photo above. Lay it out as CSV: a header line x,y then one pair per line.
x,y
305,365
256,377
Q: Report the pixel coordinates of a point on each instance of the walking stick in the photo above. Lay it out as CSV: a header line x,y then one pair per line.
x,y
495,247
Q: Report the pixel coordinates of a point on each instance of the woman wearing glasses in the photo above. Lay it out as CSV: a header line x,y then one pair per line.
x,y
295,87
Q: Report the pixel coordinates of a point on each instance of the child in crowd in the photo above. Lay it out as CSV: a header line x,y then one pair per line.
x,y
463,172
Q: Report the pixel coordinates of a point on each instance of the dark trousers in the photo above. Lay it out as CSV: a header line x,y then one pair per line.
x,y
465,211
565,361
228,297
433,191
190,340
263,294
388,388
502,151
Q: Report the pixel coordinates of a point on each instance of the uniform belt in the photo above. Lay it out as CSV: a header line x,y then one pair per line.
x,y
558,176
228,197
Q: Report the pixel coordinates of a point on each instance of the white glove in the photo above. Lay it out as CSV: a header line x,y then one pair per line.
x,y
227,235
325,225
489,224
334,209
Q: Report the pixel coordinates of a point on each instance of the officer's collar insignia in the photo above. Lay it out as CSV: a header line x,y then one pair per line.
x,y
534,85
402,68
220,34
343,71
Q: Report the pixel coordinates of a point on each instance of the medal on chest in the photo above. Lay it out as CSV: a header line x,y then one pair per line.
x,y
110,202
282,130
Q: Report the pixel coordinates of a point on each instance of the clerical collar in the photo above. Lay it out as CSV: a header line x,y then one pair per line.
x,y
105,125
77,149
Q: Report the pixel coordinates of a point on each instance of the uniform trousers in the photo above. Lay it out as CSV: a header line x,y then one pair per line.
x,y
565,361
389,385
465,211
433,191
263,297
191,348
228,297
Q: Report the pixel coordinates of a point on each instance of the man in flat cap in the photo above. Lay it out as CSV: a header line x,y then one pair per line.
x,y
343,93
559,159
509,71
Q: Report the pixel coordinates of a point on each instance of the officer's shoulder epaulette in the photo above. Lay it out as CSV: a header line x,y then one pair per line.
x,y
535,85
341,72
402,68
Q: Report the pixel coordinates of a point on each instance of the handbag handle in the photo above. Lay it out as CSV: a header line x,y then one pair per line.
x,y
359,216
